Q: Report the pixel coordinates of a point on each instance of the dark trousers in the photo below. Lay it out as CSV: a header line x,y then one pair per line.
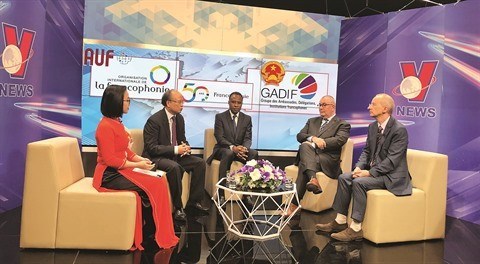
x,y
226,158
116,181
309,160
175,169
358,188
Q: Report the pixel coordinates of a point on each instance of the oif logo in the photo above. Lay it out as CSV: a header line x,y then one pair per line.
x,y
159,75
18,51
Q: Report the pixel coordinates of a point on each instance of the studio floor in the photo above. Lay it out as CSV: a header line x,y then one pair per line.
x,y
202,240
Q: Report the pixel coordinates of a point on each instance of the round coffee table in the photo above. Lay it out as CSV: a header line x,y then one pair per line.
x,y
263,220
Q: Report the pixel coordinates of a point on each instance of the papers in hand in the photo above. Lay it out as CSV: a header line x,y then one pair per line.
x,y
157,173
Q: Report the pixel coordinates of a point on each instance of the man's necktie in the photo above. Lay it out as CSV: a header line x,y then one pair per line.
x,y
234,122
174,131
377,144
324,123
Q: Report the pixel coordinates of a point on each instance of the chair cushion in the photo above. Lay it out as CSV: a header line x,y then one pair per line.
x,y
316,202
212,177
113,215
401,218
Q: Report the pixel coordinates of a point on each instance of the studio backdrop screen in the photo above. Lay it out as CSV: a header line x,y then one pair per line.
x,y
279,95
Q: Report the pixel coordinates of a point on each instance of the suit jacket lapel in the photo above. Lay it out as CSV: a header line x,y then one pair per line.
x,y
165,120
228,118
388,128
329,125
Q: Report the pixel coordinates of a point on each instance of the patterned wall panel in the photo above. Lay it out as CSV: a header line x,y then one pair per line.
x,y
213,26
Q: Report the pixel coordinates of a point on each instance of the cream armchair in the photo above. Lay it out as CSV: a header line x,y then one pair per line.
x,y
137,147
319,202
211,174
61,209
420,216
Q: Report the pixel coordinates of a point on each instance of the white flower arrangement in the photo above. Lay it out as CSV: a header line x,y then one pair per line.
x,y
259,174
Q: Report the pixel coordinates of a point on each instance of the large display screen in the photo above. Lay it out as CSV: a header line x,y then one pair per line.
x,y
279,94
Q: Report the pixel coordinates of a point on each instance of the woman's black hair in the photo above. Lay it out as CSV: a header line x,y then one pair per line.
x,y
112,101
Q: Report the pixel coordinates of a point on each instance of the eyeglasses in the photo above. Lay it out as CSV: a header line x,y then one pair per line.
x,y
178,102
127,100
323,105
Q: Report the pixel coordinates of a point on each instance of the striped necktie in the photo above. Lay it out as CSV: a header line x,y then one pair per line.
x,y
324,123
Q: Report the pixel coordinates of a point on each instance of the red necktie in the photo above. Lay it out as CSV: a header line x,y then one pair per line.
x,y
174,131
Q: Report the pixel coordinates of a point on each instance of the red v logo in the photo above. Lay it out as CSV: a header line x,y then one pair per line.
x,y
426,75
25,45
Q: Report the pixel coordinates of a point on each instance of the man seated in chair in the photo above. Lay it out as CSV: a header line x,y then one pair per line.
x,y
233,132
166,146
382,165
321,142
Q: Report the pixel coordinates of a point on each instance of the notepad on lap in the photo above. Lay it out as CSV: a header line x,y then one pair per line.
x,y
157,173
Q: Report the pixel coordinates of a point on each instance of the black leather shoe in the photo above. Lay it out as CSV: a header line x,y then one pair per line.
x,y
198,206
314,186
180,215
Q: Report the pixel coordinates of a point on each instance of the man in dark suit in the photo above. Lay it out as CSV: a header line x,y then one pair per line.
x,y
382,165
233,132
321,142
166,146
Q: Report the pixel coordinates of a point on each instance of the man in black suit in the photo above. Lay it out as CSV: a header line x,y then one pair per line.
x,y
382,165
233,132
166,146
321,142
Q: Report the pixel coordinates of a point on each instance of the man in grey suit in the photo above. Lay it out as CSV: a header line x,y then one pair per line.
x,y
382,165
233,132
321,141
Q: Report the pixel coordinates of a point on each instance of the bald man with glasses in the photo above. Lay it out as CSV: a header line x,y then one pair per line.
x,y
321,141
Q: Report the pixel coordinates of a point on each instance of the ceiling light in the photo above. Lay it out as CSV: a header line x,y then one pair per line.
x,y
432,2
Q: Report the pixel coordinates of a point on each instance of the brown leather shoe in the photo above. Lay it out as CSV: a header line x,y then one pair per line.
x,y
314,186
331,227
348,235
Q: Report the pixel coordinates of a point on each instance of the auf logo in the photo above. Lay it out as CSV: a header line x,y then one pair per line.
x,y
201,90
416,83
17,53
306,84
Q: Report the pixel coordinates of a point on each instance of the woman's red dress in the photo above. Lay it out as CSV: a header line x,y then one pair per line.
x,y
113,150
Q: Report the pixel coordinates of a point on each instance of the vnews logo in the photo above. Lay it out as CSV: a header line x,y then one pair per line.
x,y
18,51
415,87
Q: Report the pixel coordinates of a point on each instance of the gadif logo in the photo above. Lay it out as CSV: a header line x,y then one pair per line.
x,y
306,84
200,90
17,52
416,83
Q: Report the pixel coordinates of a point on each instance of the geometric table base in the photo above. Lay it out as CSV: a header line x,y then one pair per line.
x,y
256,222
